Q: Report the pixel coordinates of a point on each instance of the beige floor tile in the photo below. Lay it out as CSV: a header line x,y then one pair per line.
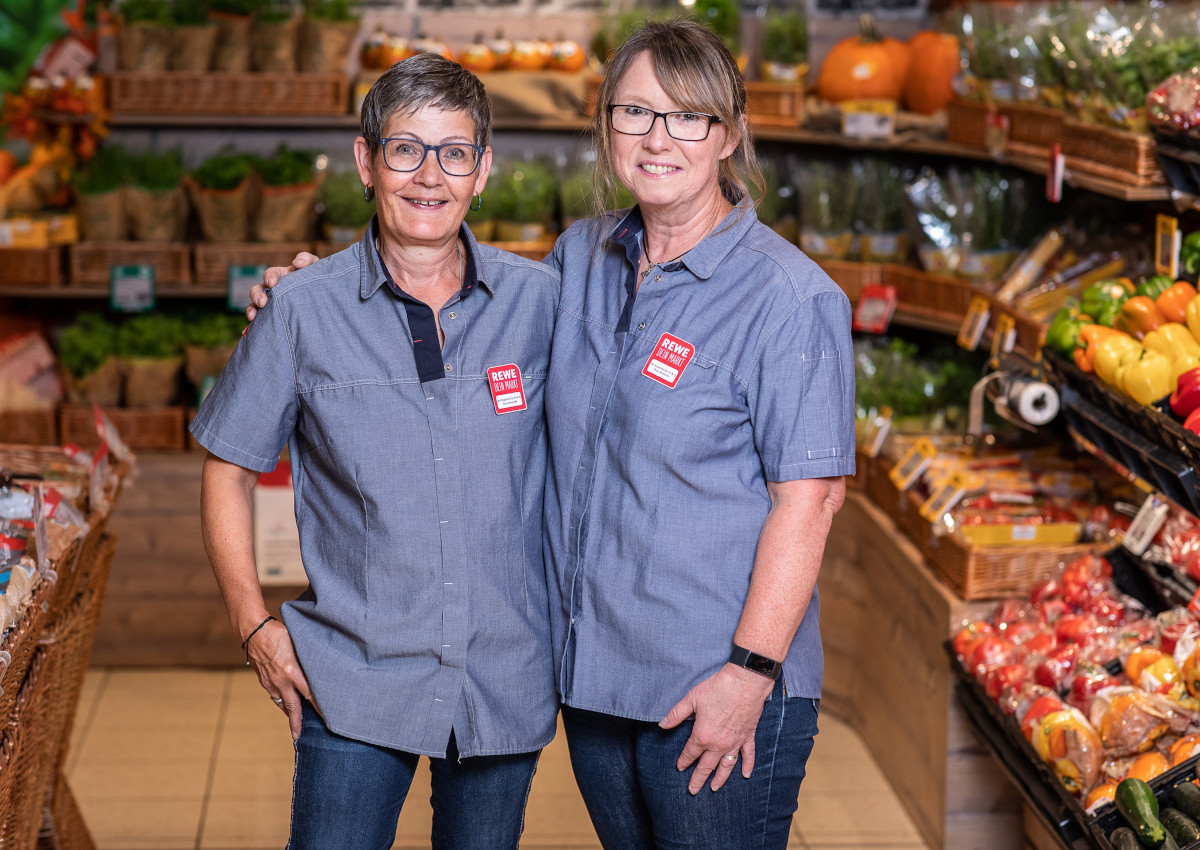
x,y
162,824
116,709
112,779
152,744
838,773
241,778
271,743
253,711
839,819
416,818
251,822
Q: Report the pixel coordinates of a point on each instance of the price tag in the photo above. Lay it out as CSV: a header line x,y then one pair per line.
x,y
1150,517
241,280
995,132
1167,241
131,289
915,461
1004,337
1054,174
945,496
875,308
868,119
876,432
974,323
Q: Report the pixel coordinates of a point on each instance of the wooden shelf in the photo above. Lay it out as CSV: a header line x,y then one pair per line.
x,y
315,122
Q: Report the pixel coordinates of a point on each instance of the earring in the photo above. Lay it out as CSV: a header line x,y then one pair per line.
x,y
476,203
368,193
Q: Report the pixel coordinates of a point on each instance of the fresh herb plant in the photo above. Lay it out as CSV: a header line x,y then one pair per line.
x,y
342,197
84,346
150,336
523,192
287,167
224,170
156,172
786,38
105,172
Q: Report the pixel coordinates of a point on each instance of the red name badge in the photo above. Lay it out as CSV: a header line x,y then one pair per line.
x,y
671,356
508,391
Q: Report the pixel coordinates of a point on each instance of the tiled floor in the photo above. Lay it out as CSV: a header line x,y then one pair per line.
x,y
197,759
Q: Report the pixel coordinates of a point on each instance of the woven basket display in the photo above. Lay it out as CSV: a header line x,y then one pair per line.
x,y
1110,153
92,262
966,123
38,427
31,267
32,718
933,295
153,428
63,827
853,277
1033,129
775,104
229,93
20,642
214,259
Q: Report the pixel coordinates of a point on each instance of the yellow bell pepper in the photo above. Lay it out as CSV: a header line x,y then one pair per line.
x,y
1148,378
1171,339
1185,362
1192,316
1127,360
1109,352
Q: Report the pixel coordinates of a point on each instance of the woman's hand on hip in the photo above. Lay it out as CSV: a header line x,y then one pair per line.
x,y
258,293
727,706
274,659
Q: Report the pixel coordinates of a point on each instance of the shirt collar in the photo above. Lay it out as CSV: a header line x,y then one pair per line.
x,y
373,273
702,260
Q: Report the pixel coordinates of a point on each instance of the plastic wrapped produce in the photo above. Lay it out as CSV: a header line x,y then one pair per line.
x,y
1130,720
1068,743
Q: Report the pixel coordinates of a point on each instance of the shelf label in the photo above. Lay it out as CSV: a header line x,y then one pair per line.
x,y
945,496
1167,241
868,119
1054,174
876,432
915,461
974,323
1004,337
1150,517
131,289
875,308
239,283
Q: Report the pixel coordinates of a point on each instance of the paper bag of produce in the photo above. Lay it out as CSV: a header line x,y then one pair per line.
x,y
224,213
232,51
273,45
102,387
286,213
324,45
156,216
151,381
102,216
193,48
143,47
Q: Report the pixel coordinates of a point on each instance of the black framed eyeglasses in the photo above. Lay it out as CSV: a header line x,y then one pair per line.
x,y
458,159
683,126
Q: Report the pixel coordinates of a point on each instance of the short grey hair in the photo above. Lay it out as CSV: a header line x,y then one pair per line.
x,y
426,79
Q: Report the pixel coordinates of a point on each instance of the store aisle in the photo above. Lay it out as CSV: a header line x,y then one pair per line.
x,y
164,759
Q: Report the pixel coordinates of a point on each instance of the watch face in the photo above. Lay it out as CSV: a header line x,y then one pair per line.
x,y
761,664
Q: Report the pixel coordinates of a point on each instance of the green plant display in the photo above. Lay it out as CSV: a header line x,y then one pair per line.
x,y
331,11
342,198
213,330
26,27
575,193
156,172
881,198
153,336
287,167
105,172
155,12
274,12
224,170
190,13
786,38
523,192
614,29
84,346
236,7
828,196
723,18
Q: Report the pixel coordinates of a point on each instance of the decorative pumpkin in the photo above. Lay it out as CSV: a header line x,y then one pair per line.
x,y
929,85
864,67
373,50
396,50
502,49
567,56
425,44
477,56
526,56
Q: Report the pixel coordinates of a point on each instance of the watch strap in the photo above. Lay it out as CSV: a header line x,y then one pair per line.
x,y
752,661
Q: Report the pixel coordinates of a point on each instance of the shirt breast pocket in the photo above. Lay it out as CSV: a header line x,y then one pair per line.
x,y
711,395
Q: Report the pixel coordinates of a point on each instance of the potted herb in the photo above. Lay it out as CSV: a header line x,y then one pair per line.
x,y
724,18
98,198
220,191
287,199
576,194
883,235
150,349
345,214
273,38
144,35
233,19
209,341
522,199
86,351
785,47
776,206
195,36
326,33
828,198
154,199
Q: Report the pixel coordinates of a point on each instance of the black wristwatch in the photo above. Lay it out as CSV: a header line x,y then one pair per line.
x,y
760,664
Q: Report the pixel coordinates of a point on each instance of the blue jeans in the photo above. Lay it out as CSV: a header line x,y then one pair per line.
x,y
639,801
347,794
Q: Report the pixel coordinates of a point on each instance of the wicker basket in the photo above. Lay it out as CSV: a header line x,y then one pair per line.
x,y
63,827
213,259
8,771
31,267
36,427
227,93
966,123
1110,153
933,295
91,262
32,719
853,277
1033,129
152,428
20,643
775,104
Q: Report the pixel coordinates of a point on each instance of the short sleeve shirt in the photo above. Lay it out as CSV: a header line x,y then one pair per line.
x,y
418,494
668,415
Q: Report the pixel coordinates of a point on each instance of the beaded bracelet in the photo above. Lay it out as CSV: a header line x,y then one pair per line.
x,y
252,634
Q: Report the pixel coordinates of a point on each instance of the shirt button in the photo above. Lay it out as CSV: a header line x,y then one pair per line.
x,y
658,277
449,368
641,326
454,315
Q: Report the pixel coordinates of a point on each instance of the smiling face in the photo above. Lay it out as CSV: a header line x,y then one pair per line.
x,y
426,206
660,171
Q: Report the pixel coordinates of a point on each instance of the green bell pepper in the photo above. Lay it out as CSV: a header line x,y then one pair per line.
x,y
1152,287
1063,334
1102,301
1189,253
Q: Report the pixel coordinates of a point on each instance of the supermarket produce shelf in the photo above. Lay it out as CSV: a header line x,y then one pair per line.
x,y
315,122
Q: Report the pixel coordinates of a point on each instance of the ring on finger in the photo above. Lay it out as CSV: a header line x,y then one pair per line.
x,y
277,700
729,757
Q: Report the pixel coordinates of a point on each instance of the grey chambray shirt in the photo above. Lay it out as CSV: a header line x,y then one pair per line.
x,y
419,506
668,415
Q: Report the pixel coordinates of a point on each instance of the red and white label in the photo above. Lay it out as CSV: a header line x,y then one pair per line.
x,y
508,390
671,356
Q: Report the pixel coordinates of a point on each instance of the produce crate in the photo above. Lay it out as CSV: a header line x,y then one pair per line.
x,y
228,93
151,428
775,104
1033,129
852,277
91,262
31,267
1111,153
8,770
973,572
966,123
933,295
35,427
213,259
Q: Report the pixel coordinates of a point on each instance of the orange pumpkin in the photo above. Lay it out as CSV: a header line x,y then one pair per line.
x,y
373,50
864,67
425,44
477,56
396,50
567,56
929,85
527,56
502,49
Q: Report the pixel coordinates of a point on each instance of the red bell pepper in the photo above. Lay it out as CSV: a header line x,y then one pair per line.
x,y
1192,423
1186,397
